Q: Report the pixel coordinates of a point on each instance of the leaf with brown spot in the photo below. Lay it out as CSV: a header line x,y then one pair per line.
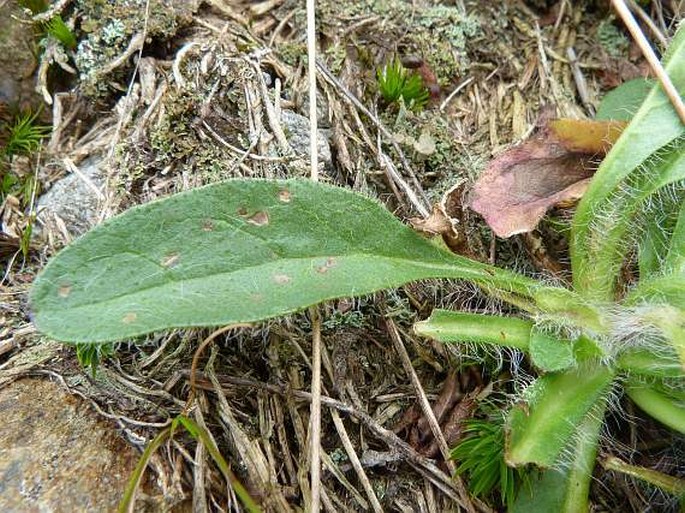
x,y
129,318
282,279
115,269
553,167
284,195
260,218
170,260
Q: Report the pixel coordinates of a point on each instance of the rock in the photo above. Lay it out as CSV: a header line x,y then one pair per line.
x,y
321,109
296,128
56,454
73,203
17,57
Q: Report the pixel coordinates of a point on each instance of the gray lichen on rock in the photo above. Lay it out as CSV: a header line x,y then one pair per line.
x,y
110,27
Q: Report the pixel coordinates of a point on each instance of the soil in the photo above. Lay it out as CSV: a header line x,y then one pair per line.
x,y
170,95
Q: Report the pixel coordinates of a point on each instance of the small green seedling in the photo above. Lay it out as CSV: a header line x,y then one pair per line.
x,y
90,355
395,82
249,250
54,27
24,135
480,457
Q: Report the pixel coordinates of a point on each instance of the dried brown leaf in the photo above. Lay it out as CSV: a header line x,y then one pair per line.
x,y
551,168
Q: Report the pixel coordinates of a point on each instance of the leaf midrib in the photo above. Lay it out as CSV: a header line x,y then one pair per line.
x,y
457,272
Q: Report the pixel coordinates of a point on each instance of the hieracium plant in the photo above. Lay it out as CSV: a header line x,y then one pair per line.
x,y
247,250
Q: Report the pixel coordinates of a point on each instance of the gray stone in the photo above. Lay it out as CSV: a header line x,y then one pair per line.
x,y
296,128
17,56
73,202
321,109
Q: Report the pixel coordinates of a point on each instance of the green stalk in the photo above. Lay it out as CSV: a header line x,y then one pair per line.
x,y
200,434
652,401
127,502
584,457
449,326
667,483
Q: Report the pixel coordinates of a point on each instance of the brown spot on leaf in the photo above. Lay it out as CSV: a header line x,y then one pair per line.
x,y
129,318
282,279
64,290
330,263
260,218
285,195
242,211
170,260
207,225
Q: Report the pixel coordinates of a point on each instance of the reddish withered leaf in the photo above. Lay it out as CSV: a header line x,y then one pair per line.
x,y
551,168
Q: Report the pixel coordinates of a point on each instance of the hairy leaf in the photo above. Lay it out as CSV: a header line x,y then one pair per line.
x,y
448,326
617,221
654,399
566,489
540,427
653,127
550,353
622,103
239,251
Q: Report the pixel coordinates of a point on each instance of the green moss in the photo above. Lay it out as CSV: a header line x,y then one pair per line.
x,y
611,38
292,52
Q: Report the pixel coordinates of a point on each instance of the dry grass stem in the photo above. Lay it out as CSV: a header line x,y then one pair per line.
x,y
314,437
356,464
652,59
427,410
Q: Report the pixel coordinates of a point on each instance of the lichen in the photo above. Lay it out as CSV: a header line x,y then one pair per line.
x,y
109,27
178,143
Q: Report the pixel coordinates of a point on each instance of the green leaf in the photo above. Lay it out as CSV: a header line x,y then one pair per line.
x,y
675,258
660,364
551,354
662,245
448,326
654,126
566,490
128,501
622,103
200,434
557,403
238,251
615,222
666,289
654,399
